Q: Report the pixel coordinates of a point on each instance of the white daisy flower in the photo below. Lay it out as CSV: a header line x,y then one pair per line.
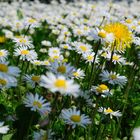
x,y
59,84
110,112
25,54
78,74
65,46
8,70
32,79
31,22
116,58
7,81
101,89
73,117
113,78
37,62
3,129
23,41
82,48
61,68
3,55
37,103
55,51
46,63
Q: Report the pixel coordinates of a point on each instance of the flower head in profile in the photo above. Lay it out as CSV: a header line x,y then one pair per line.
x,y
136,133
122,35
73,117
109,111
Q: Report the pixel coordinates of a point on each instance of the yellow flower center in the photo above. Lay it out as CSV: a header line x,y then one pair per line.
x,y
101,88
60,83
75,118
79,32
102,34
90,57
109,110
65,47
35,78
3,82
55,51
2,39
31,20
83,48
1,53
24,52
104,54
61,69
3,68
22,40
76,74
37,103
115,57
123,37
113,76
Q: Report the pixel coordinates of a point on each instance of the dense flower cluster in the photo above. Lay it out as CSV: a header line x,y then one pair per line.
x,y
69,71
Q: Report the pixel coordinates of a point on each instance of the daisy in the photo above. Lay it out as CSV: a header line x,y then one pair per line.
x,y
73,117
59,84
25,54
3,129
3,55
8,70
78,74
31,22
101,89
7,81
55,51
116,58
46,63
89,57
37,62
65,46
113,78
23,41
37,103
82,48
110,112
61,68
32,79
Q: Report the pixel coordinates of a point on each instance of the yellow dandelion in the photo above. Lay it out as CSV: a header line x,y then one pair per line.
x,y
122,35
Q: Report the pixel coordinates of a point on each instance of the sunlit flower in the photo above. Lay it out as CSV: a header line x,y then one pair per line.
x,y
3,55
25,54
110,112
59,84
122,35
37,103
23,41
73,117
101,89
78,74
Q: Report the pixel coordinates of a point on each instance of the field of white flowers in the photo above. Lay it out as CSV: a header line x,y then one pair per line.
x,y
70,71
